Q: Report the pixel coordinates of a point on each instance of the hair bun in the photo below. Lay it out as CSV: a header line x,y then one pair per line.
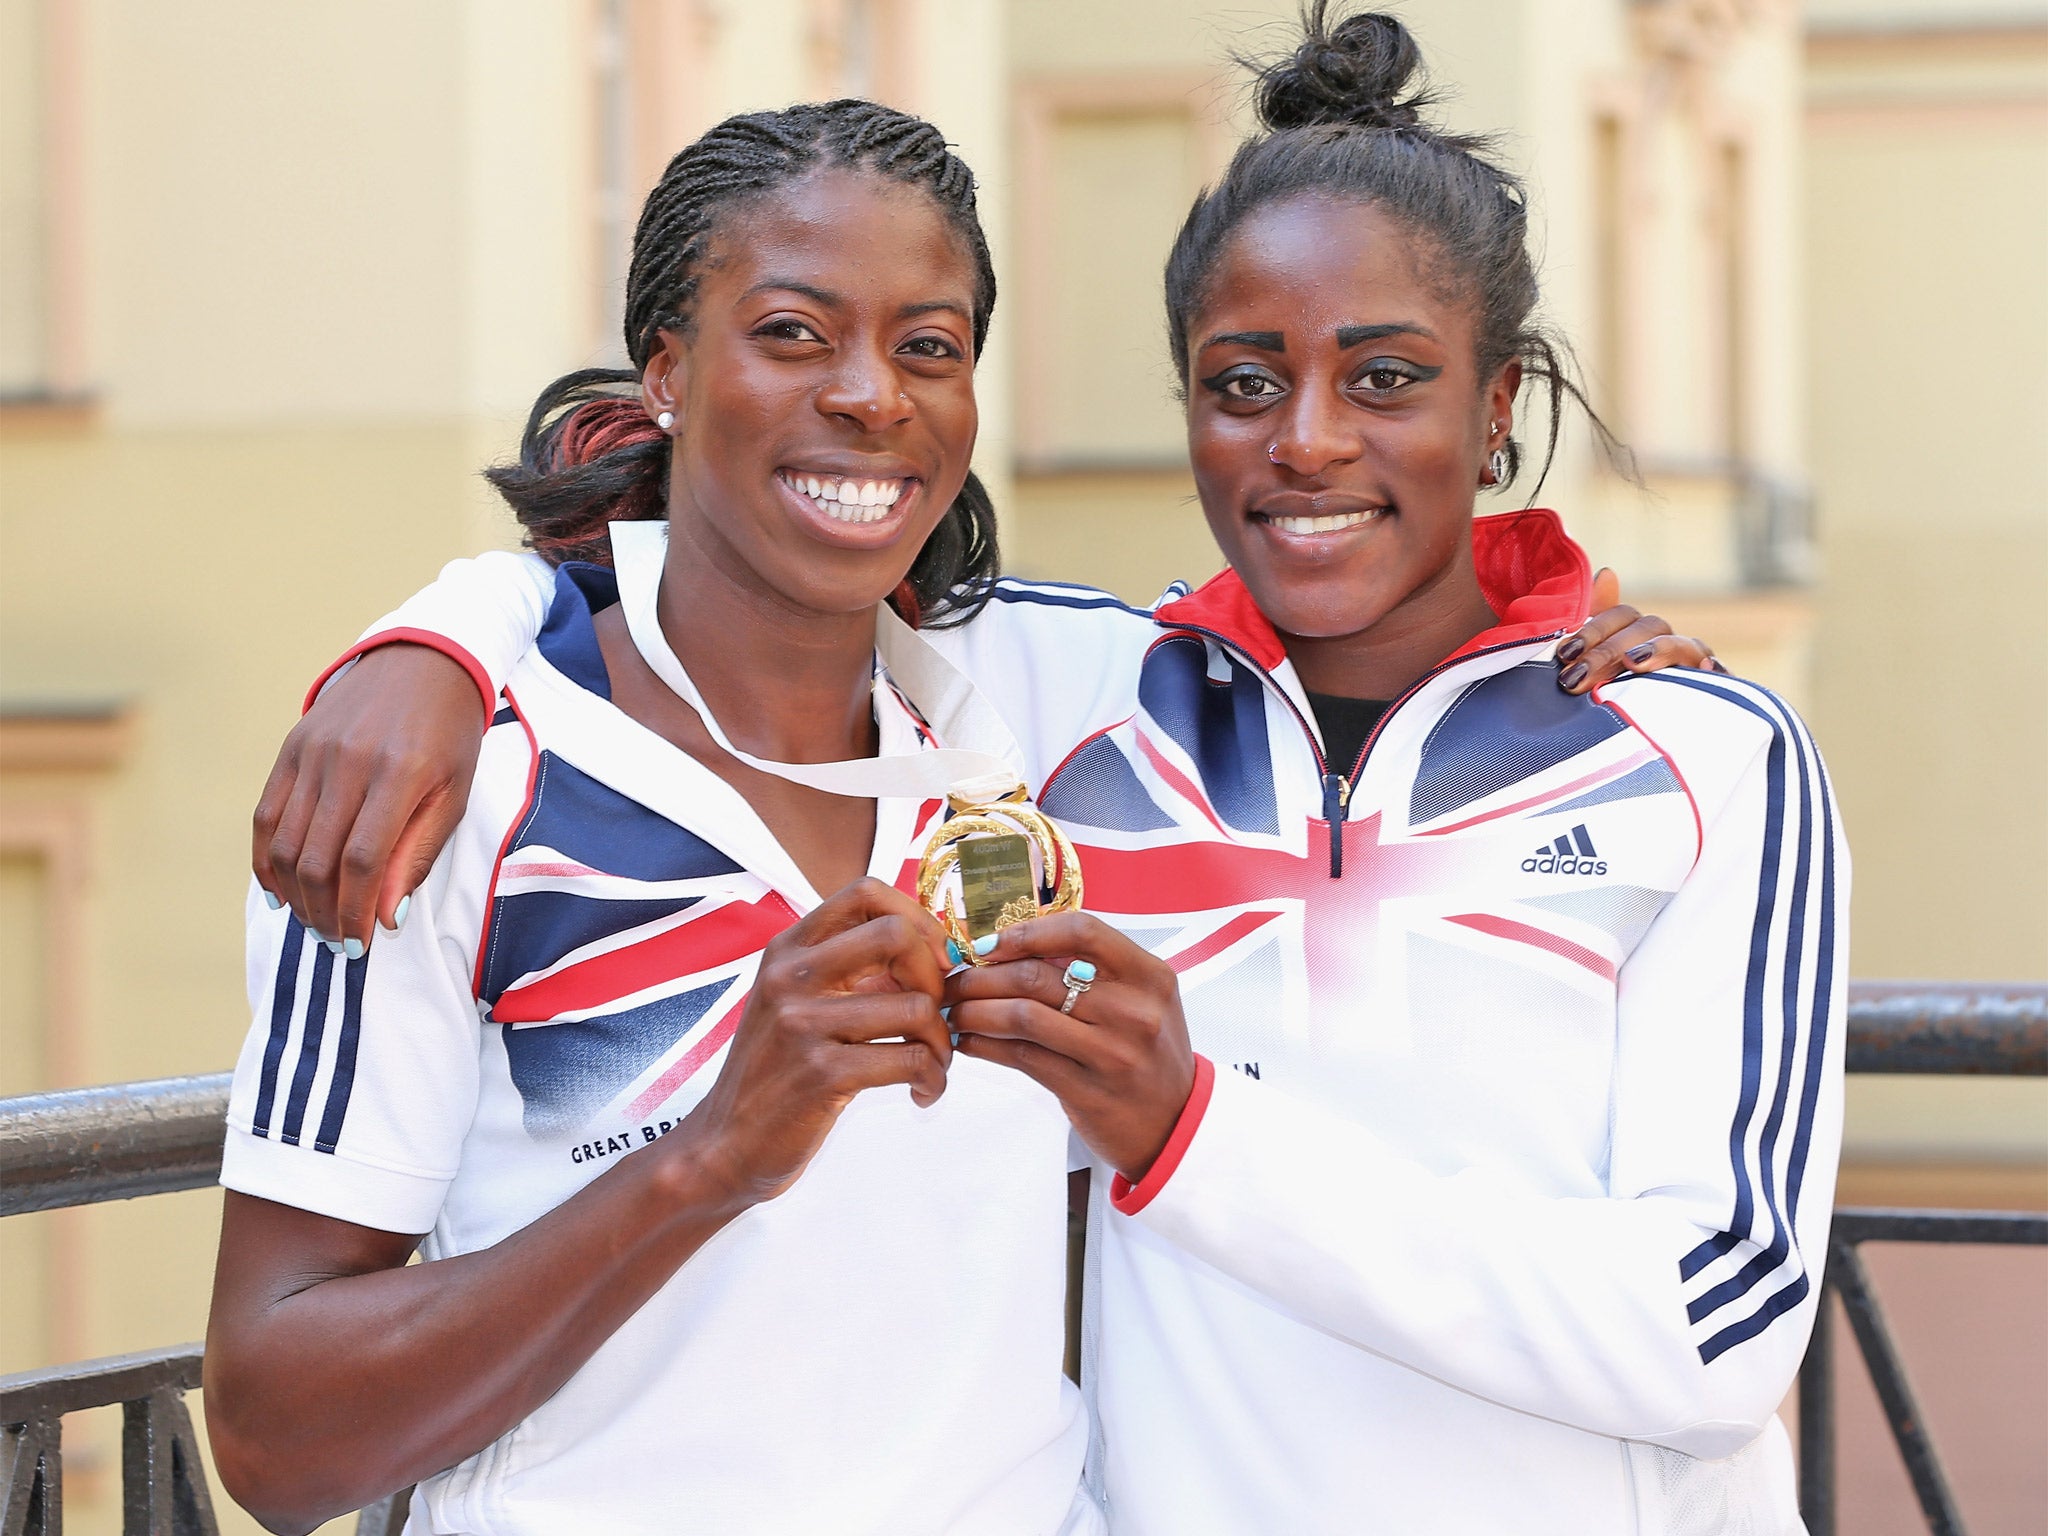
x,y
1352,74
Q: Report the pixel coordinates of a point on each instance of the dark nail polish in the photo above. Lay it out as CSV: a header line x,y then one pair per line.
x,y
1641,653
1570,650
1572,676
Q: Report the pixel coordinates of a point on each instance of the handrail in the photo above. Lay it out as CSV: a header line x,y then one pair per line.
x,y
1948,1027
89,1144
112,1143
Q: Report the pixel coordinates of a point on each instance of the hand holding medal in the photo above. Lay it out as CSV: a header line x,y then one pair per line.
x,y
1047,989
994,862
1091,1016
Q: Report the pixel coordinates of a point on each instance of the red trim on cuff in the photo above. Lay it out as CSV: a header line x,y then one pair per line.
x,y
433,642
1132,1198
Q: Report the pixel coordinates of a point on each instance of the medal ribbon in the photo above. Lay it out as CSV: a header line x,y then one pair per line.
x,y
986,765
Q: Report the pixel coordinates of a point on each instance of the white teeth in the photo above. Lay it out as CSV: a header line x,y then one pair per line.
x,y
848,501
1323,524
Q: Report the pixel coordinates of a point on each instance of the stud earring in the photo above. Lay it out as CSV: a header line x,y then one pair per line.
x,y
666,421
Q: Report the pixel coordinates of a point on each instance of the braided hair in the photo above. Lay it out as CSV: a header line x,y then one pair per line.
x,y
590,456
1344,116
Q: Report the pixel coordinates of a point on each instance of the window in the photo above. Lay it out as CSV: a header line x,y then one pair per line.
x,y
41,201
1730,230
1107,170
51,760
649,97
1610,270
858,48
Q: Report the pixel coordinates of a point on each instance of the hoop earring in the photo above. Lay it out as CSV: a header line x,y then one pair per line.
x,y
666,421
1497,467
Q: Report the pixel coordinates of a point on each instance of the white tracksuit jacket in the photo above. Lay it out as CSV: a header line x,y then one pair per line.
x,y
1501,1199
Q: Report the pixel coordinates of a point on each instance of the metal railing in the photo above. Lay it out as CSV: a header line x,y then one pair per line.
x,y
118,1142
163,1482
1906,1027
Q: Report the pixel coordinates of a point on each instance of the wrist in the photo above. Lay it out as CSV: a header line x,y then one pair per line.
x,y
700,1175
1131,1195
423,639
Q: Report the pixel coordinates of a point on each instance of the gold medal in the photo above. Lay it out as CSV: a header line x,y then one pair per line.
x,y
993,863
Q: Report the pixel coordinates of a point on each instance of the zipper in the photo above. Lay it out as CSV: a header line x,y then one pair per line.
x,y
1336,798
1337,786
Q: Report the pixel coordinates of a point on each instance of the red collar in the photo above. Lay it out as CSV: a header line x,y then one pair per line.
x,y
1533,576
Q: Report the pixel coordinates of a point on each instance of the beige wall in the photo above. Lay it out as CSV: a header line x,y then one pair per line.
x,y
1927,233
1927,244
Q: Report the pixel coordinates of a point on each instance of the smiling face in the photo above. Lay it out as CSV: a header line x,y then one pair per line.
x,y
1338,427
823,393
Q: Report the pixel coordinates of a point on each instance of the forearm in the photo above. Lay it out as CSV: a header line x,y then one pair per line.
x,y
1570,1309
342,1388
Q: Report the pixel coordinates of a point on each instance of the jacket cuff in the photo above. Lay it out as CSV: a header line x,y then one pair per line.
x,y
1132,1198
433,641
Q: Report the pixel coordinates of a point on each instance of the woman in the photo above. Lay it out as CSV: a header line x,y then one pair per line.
x,y
1502,1219
780,1314
1510,1214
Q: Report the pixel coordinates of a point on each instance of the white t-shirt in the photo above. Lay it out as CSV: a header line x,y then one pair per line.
x,y
877,1350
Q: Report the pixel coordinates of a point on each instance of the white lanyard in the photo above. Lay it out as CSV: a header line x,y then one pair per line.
x,y
985,766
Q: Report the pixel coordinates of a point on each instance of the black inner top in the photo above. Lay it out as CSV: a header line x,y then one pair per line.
x,y
1345,724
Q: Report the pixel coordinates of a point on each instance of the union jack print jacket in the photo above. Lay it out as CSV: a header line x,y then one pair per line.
x,y
1501,1198
561,995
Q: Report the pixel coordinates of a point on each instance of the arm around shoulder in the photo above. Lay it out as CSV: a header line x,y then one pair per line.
x,y
369,784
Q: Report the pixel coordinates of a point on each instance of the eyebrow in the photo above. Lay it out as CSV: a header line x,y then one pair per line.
x,y
932,307
791,285
1265,341
831,300
1349,336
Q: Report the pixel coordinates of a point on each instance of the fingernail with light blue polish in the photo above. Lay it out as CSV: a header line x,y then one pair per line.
x,y
398,912
985,943
1081,970
353,948
272,902
953,955
333,945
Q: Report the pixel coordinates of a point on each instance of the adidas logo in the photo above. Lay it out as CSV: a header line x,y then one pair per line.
x,y
1571,855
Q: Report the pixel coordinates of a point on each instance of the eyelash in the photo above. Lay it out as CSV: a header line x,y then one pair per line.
x,y
1220,383
782,330
1408,373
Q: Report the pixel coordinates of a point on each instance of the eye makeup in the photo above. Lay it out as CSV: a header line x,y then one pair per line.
x,y
1244,373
